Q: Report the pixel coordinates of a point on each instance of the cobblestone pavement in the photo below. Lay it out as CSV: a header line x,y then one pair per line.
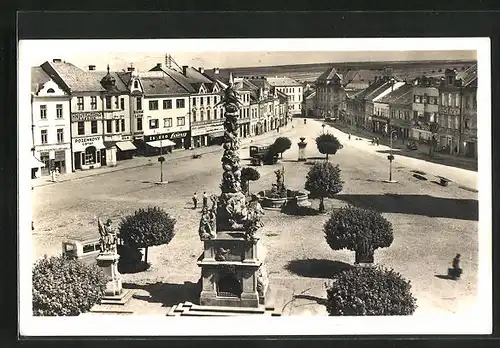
x,y
431,224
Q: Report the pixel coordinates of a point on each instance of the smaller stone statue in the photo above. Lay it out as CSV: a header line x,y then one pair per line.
x,y
254,218
455,272
221,254
108,237
206,229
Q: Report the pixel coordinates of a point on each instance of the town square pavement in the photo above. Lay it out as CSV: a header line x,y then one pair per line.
x,y
431,224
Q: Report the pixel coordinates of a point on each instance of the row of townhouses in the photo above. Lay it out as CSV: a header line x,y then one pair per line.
x,y
84,118
442,106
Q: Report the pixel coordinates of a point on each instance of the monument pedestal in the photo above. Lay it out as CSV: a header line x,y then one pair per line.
x,y
114,293
302,150
231,273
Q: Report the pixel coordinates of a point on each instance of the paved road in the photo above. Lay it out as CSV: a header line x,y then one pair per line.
x,y
431,222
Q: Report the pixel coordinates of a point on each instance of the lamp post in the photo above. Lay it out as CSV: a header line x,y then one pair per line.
x,y
390,158
161,159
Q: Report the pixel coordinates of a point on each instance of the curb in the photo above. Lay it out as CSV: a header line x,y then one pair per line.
x,y
144,165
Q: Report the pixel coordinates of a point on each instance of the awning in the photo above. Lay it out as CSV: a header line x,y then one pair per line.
x,y
36,163
160,143
125,145
216,134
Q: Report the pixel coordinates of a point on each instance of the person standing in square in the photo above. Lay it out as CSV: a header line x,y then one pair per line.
x,y
195,201
205,200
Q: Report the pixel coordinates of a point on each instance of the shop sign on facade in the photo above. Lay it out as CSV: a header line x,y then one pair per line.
x,y
138,113
207,130
126,137
166,136
86,116
88,141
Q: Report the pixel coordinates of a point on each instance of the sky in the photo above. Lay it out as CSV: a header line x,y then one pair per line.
x,y
210,59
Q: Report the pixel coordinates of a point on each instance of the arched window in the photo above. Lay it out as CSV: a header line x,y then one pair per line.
x,y
50,90
136,84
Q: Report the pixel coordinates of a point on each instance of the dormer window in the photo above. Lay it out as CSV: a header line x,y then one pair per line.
x,y
50,90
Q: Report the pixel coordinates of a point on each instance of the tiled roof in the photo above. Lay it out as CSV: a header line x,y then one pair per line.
x,y
125,77
282,96
160,84
282,81
403,95
328,74
372,90
310,95
77,79
38,78
468,76
260,83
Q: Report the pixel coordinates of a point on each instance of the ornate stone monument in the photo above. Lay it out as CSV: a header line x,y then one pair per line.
x,y
232,272
108,261
302,150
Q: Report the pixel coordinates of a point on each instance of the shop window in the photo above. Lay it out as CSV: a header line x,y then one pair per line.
x,y
59,111
79,103
117,126
153,124
81,128
90,155
43,134
109,126
181,121
167,104
60,135
167,122
93,103
44,158
122,122
153,105
43,112
180,103
93,127
139,123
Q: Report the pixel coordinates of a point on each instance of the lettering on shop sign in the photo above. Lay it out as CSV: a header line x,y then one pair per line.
x,y
138,113
86,141
449,110
166,136
45,149
207,130
86,116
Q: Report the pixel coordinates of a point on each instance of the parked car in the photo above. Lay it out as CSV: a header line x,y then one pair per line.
x,y
412,145
83,247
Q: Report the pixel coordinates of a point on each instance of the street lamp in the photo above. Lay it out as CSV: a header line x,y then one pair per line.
x,y
161,159
390,158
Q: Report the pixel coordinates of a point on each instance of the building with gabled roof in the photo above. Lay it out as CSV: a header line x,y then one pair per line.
x,y
293,89
50,120
394,111
100,119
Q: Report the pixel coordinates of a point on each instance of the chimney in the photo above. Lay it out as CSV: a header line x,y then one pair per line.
x,y
184,70
130,69
56,60
216,71
91,67
158,65
201,70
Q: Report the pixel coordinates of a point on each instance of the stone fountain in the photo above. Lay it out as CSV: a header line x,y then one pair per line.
x,y
233,276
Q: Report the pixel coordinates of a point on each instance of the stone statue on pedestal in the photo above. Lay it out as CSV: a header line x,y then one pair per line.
x,y
108,238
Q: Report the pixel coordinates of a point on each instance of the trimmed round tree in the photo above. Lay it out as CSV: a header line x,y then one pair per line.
x,y
248,174
282,144
328,144
147,227
358,229
63,286
369,291
323,180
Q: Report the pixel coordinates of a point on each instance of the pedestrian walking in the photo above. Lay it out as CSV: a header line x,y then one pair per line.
x,y
195,201
349,136
377,140
205,200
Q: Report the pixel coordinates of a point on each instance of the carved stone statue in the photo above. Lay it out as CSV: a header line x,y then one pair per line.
x,y
207,227
221,254
108,238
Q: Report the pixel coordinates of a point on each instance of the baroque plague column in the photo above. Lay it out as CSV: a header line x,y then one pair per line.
x,y
231,272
